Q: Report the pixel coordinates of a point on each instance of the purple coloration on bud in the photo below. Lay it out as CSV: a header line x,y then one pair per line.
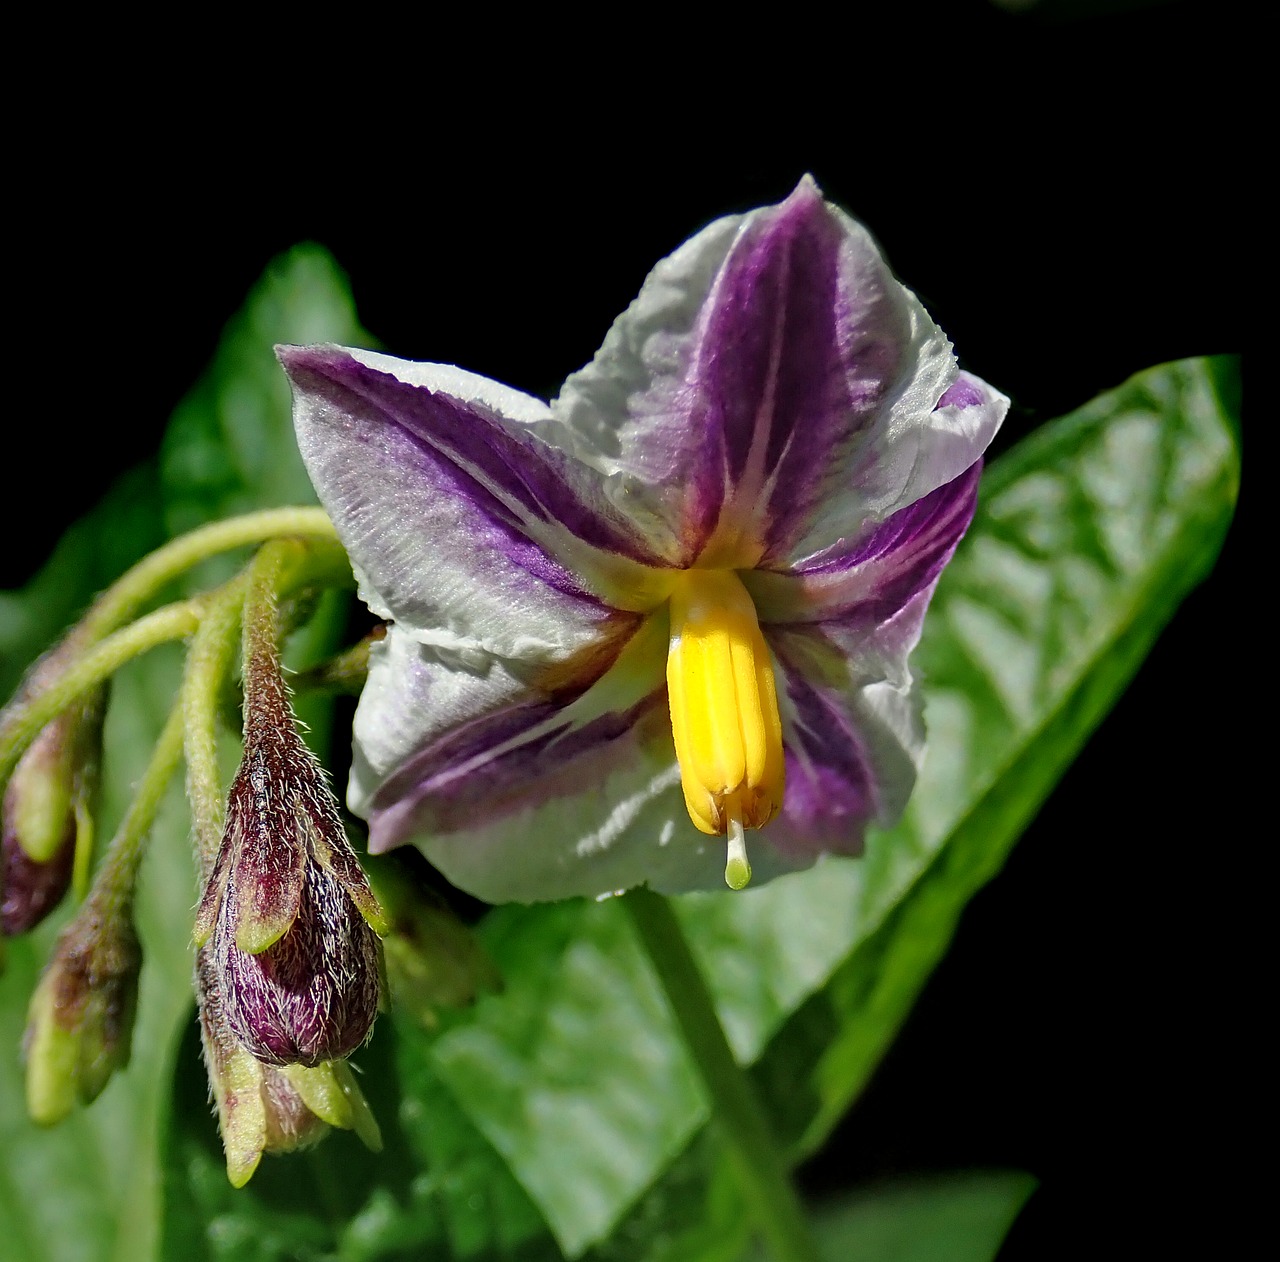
x,y
80,1021
48,812
262,1108
289,911
29,890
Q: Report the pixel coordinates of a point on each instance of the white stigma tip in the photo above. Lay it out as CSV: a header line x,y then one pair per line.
x,y
737,871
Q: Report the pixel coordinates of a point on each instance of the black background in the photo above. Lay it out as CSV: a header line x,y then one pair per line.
x,y
1061,187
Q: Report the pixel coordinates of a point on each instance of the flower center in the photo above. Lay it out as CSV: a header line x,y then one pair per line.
x,y
724,711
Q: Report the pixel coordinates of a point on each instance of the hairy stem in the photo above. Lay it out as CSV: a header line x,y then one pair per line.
x,y
113,886
24,723
209,662
134,588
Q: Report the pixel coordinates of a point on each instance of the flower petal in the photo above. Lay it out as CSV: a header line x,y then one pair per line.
x,y
417,695
852,730
522,795
841,628
868,579
773,388
461,523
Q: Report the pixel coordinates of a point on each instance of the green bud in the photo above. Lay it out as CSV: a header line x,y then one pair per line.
x,y
48,816
433,960
80,1020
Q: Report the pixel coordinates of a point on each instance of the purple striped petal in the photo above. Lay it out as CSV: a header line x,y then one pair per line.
x,y
529,794
841,628
462,524
866,581
912,450
852,730
532,793
773,388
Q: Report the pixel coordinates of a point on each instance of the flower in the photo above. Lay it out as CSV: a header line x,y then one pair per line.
x,y
675,603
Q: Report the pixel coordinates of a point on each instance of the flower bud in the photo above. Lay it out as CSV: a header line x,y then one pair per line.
x,y
264,1108
80,1020
48,813
433,960
289,911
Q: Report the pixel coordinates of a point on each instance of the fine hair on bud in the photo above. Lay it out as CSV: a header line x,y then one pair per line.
x,y
296,959
80,1020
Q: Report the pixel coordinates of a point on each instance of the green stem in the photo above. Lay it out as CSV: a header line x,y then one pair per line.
x,y
114,884
135,587
761,1169
24,718
265,702
25,722
209,662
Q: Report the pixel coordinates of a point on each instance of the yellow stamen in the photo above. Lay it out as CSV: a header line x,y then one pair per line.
x,y
724,711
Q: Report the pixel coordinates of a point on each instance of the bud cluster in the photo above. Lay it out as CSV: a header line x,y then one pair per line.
x,y
289,965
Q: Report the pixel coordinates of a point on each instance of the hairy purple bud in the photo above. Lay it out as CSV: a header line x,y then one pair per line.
x,y
47,812
289,911
265,1109
80,1021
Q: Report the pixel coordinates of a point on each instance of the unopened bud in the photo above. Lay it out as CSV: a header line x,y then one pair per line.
x,y
290,911
269,1109
47,813
433,960
80,1020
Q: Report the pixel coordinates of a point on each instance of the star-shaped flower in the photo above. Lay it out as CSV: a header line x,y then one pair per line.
x,y
676,603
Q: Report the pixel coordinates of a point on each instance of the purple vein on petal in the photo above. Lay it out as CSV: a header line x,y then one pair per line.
x,y
831,789
513,478
768,360
870,580
524,754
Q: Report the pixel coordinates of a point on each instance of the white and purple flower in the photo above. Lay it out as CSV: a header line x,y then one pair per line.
x,y
729,523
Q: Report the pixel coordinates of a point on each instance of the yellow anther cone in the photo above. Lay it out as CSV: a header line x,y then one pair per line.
x,y
724,706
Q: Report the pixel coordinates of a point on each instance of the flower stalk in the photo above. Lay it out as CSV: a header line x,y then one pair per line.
x,y
22,724
761,1169
97,647
119,603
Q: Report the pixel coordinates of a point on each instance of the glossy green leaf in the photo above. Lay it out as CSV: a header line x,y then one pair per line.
x,y
961,1218
1087,537
88,1190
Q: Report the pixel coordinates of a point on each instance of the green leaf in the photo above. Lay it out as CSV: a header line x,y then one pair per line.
x,y
961,1218
1088,535
88,1191
436,1189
